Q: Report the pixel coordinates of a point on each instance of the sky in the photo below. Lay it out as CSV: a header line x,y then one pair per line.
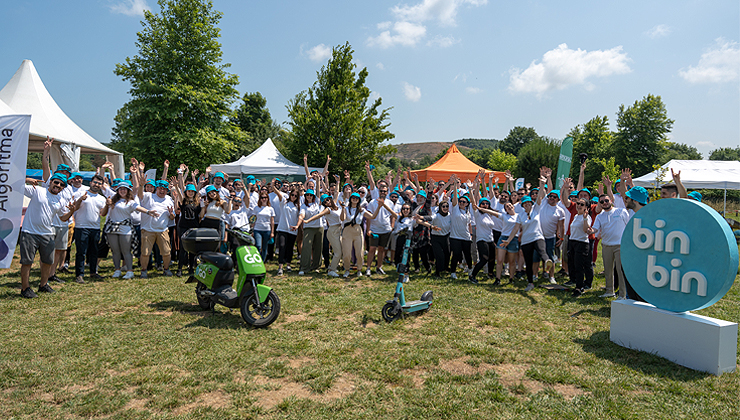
x,y
449,69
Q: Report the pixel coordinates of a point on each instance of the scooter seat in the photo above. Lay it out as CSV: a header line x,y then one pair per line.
x,y
222,261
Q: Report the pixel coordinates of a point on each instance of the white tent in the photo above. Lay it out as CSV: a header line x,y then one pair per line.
x,y
710,174
25,93
266,160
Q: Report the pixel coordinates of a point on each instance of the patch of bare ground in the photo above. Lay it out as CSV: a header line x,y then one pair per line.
x,y
276,390
418,376
215,399
136,404
460,366
300,362
79,388
296,317
512,376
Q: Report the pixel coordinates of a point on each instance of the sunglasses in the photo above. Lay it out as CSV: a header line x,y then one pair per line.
x,y
237,201
581,205
604,201
552,196
57,183
444,206
463,202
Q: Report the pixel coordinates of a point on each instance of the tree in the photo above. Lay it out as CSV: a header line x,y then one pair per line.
x,y
501,161
180,92
679,151
333,118
480,156
537,153
641,135
725,153
255,120
596,140
517,138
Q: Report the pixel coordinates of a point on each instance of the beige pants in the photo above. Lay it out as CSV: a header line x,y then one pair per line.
x,y
612,258
334,235
352,236
148,239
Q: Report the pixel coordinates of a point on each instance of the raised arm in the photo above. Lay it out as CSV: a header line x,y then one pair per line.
x,y
581,176
565,192
370,180
679,185
541,193
305,166
46,171
608,187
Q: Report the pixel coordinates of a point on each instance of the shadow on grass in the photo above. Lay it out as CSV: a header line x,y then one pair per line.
x,y
599,345
229,319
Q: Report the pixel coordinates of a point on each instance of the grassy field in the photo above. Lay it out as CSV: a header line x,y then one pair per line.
x,y
143,349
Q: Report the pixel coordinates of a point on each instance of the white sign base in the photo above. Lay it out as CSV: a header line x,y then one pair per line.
x,y
695,341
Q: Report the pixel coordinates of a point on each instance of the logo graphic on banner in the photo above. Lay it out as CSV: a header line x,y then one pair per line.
x,y
13,154
519,183
680,255
566,156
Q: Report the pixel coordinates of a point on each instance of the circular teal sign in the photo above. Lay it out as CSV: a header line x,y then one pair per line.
x,y
679,255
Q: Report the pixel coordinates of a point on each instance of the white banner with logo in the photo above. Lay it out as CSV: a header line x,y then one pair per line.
x,y
13,154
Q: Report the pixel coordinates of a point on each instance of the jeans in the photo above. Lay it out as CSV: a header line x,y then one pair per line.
x,y
87,244
261,238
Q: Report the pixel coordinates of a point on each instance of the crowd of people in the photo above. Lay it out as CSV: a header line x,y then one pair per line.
x,y
452,226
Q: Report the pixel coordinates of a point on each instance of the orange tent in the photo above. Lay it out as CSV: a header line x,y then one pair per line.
x,y
454,162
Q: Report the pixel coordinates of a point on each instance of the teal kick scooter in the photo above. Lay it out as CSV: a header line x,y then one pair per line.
x,y
394,309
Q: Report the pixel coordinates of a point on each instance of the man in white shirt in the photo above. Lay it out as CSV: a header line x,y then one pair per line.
x,y
155,229
609,226
87,228
552,223
379,230
37,232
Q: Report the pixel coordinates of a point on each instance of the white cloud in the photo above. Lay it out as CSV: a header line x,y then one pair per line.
x,y
130,7
659,31
707,144
442,41
380,66
473,90
443,11
720,64
411,92
319,53
564,67
403,33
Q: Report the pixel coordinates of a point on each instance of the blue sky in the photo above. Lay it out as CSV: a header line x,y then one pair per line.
x,y
449,68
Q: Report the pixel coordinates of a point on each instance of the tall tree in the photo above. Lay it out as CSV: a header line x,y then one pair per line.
x,y
540,152
181,95
517,138
725,153
679,151
501,161
333,118
595,139
641,135
255,120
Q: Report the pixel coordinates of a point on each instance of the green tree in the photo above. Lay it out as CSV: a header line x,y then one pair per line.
x,y
480,156
725,153
537,153
333,118
679,151
517,138
501,161
595,139
181,95
641,135
255,120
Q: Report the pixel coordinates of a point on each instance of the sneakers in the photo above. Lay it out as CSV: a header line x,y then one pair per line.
x,y
577,292
56,279
333,273
179,273
116,274
367,273
280,272
380,270
497,282
167,273
28,293
97,276
128,275
534,278
586,287
454,276
359,272
288,268
79,280
346,274
569,284
529,287
46,289
143,275
472,279
553,281
548,265
608,295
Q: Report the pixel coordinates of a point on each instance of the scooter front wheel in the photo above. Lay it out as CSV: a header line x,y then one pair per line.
x,y
203,302
390,313
260,315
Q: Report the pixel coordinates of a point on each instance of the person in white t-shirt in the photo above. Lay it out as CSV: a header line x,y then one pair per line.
x,y
532,238
578,242
263,225
87,228
609,226
287,226
37,232
334,217
379,230
156,228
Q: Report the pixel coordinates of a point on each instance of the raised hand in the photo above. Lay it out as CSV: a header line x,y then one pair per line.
x,y
676,176
166,163
600,189
305,158
346,174
337,179
195,173
109,202
47,144
208,170
171,209
142,165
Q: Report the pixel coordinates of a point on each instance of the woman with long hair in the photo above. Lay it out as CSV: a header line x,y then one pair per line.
x,y
352,233
188,206
213,208
532,238
508,243
460,236
334,216
264,219
313,233
119,227
287,227
483,233
579,247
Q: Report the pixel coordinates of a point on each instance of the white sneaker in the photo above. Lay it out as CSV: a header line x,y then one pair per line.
x,y
379,270
300,273
529,287
346,274
333,273
367,273
608,295
553,281
359,272
116,274
128,275
454,276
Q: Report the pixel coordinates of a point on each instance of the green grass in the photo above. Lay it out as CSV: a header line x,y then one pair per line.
x,y
143,349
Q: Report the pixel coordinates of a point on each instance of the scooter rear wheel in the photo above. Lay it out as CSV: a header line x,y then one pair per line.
x,y
390,313
203,302
260,315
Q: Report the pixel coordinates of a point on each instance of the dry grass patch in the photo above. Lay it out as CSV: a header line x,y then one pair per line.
x,y
461,366
277,390
215,399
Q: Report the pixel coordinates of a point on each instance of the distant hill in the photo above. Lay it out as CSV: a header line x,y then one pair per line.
x,y
416,151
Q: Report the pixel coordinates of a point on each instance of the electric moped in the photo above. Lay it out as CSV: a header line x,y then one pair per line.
x,y
214,275
395,308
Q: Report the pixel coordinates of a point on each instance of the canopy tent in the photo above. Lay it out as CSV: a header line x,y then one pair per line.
x,y
25,93
454,162
265,162
710,174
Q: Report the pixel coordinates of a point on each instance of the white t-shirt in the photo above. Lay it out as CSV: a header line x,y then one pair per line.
x,y
483,226
442,222
531,229
136,216
88,215
577,233
67,193
459,223
41,210
275,203
152,201
263,215
498,225
382,222
406,223
549,218
122,211
334,217
509,223
308,211
350,214
288,216
609,225
239,219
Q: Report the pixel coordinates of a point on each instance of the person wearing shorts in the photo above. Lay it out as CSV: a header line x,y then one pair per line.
x,y
379,230
155,228
508,243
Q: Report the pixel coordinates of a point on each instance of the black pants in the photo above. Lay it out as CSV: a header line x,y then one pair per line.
x,y
460,249
285,243
325,250
583,271
86,242
485,249
422,252
441,249
528,251
398,256
185,259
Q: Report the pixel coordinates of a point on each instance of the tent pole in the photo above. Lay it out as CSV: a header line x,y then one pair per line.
x,y
724,207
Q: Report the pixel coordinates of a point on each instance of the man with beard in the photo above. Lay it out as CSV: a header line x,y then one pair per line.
x,y
87,227
37,232
379,231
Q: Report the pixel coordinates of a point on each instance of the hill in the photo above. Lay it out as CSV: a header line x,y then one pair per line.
x,y
417,151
